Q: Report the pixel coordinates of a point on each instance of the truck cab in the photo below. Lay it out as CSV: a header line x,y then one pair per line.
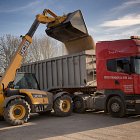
x,y
120,75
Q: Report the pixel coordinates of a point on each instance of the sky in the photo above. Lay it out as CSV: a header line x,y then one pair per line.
x,y
105,19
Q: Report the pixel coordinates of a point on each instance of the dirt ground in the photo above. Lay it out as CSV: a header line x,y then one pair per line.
x,y
88,126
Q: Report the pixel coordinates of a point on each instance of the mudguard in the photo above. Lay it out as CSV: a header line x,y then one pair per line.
x,y
60,94
7,100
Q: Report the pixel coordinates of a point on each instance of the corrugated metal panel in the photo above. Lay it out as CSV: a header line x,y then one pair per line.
x,y
64,72
59,73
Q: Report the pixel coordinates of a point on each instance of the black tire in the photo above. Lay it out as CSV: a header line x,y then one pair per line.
x,y
116,107
78,105
17,112
1,118
45,113
63,106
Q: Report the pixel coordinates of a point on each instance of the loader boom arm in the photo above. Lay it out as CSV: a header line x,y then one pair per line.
x,y
26,41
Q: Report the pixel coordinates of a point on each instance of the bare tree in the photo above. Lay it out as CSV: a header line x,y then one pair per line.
x,y
8,46
44,48
33,53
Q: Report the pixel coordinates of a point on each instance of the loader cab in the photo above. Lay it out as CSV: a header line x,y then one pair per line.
x,y
25,81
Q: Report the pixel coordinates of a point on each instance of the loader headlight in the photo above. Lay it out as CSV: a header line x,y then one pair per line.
x,y
38,95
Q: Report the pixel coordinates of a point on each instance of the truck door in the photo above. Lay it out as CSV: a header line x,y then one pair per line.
x,y
120,78
126,79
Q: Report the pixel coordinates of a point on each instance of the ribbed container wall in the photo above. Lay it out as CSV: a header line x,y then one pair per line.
x,y
70,71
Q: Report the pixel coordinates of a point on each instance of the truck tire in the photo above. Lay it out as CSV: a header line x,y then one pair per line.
x,y
63,106
78,105
17,112
116,107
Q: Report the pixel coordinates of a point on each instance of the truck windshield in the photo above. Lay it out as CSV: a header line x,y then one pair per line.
x,y
137,65
25,81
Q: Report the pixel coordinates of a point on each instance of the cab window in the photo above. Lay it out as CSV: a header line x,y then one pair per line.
x,y
117,65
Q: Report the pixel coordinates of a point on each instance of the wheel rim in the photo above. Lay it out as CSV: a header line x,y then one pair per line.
x,y
18,112
115,107
65,105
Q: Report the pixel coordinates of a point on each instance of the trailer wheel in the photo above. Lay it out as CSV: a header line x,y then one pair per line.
x,y
17,112
116,107
63,106
78,105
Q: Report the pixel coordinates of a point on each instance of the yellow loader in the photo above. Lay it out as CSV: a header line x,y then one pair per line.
x,y
20,95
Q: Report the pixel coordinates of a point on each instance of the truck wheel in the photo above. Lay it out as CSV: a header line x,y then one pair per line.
x,y
63,106
116,107
78,105
17,112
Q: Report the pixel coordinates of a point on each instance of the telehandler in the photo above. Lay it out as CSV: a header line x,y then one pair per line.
x,y
17,103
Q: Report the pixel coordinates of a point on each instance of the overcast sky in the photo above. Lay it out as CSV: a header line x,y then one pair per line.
x,y
105,19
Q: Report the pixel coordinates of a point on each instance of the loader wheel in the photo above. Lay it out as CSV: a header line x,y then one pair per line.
x,y
63,106
78,105
17,112
116,107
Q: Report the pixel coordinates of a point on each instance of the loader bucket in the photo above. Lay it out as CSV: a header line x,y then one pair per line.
x,y
72,28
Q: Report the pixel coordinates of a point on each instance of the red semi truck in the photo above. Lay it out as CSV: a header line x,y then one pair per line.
x,y
118,75
116,71
115,66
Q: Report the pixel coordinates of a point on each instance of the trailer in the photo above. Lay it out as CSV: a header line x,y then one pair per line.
x,y
65,72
